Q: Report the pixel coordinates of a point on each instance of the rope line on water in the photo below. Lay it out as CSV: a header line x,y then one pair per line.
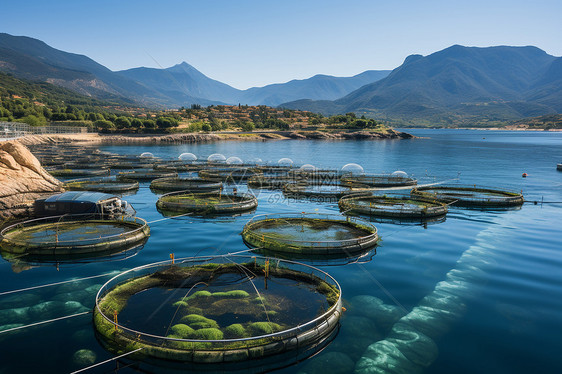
x,y
56,283
106,361
165,218
44,322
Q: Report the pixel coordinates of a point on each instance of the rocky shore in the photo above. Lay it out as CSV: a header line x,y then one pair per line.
x,y
93,138
22,180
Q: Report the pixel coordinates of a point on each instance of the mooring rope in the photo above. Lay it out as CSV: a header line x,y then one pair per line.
x,y
56,283
106,361
166,218
44,322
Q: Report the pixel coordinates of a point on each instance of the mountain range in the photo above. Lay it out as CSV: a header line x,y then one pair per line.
x,y
179,85
458,85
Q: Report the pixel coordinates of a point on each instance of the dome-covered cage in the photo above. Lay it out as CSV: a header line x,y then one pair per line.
x,y
382,180
352,169
392,206
146,175
206,203
190,184
146,155
188,157
222,309
102,184
216,158
310,234
470,196
73,236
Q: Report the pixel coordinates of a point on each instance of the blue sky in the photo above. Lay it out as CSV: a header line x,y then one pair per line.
x,y
254,43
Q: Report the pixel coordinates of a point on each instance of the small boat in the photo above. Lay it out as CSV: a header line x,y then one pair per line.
x,y
559,167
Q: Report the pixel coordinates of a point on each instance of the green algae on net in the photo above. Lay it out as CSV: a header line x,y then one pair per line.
x,y
470,196
217,309
101,184
310,234
73,235
207,202
393,206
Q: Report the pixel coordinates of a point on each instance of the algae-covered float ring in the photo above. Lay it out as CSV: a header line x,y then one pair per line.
x,y
130,165
394,207
227,174
73,235
206,202
271,182
310,234
381,180
185,184
102,184
470,196
146,175
325,192
69,173
217,309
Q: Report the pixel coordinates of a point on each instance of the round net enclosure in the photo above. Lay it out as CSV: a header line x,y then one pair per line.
x,y
70,173
381,180
146,175
222,309
227,174
191,184
102,184
329,191
73,235
470,196
310,234
231,202
271,181
216,158
393,206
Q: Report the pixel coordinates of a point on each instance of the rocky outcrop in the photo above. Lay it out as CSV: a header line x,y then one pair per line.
x,y
22,180
356,135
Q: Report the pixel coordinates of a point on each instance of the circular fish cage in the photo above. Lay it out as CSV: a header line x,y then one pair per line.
x,y
185,184
470,196
381,180
393,207
102,184
310,234
316,176
271,182
274,170
206,202
217,310
227,174
72,236
146,175
70,173
179,165
120,165
327,192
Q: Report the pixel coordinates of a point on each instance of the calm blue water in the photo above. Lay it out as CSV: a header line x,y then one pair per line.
x,y
501,316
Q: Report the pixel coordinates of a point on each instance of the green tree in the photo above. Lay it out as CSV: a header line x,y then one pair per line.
x,y
122,122
206,127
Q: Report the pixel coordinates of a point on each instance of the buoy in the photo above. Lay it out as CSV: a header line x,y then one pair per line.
x,y
524,175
